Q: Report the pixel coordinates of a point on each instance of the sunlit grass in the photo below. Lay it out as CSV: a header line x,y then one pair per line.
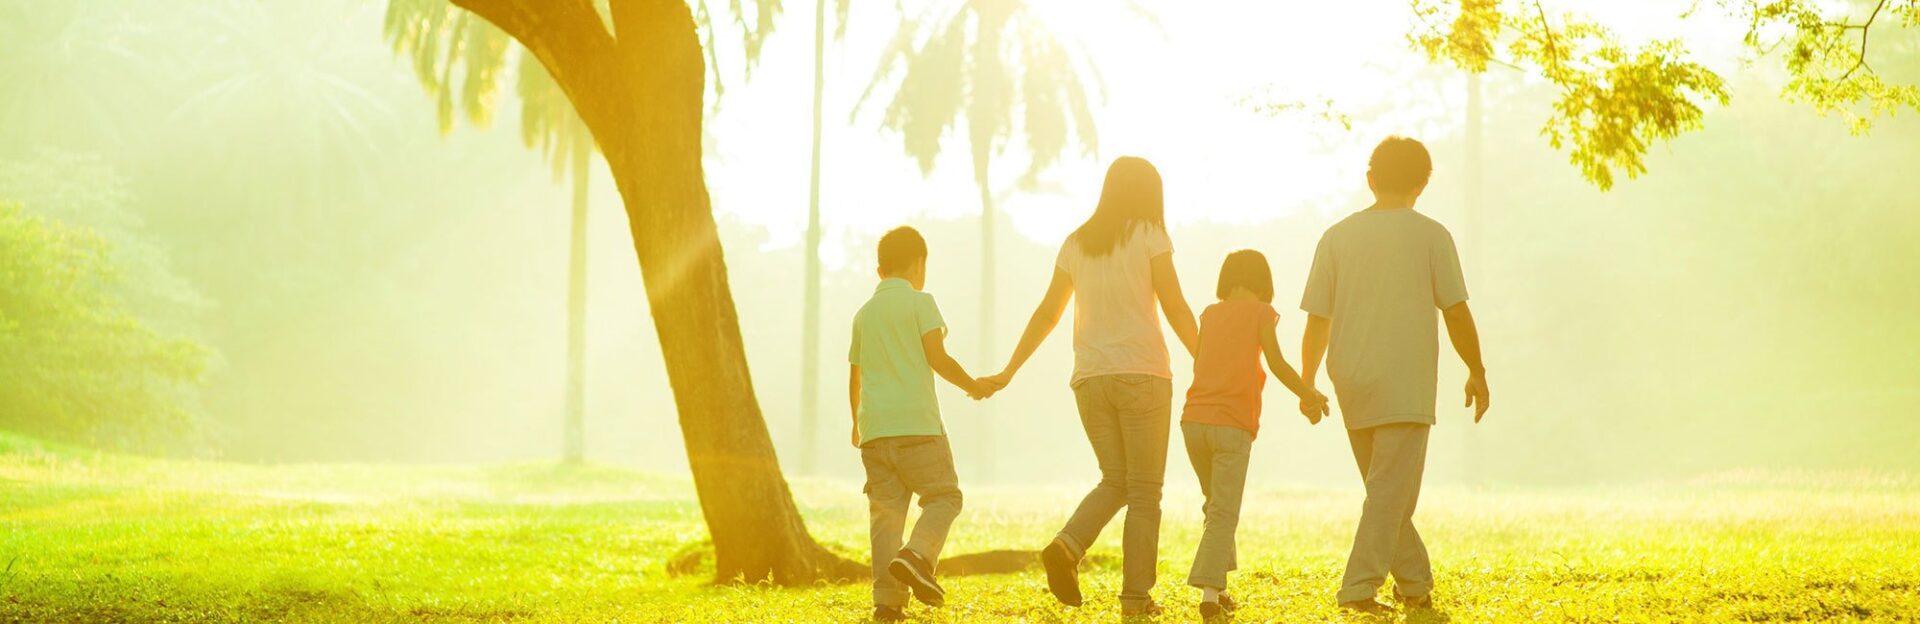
x,y
92,537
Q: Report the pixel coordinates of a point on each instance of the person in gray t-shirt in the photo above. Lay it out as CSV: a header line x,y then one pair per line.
x,y
1378,277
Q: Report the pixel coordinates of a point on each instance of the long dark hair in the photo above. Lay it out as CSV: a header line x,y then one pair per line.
x,y
1132,195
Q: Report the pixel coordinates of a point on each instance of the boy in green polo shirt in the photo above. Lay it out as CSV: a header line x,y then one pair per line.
x,y
899,343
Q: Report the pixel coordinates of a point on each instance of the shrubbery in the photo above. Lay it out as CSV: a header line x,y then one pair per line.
x,y
75,363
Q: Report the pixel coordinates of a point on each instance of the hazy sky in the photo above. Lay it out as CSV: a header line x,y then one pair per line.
x,y
1182,94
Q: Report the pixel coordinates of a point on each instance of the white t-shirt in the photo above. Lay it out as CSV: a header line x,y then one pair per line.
x,y
1381,276
1116,318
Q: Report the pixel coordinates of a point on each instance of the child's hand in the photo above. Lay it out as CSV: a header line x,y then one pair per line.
x,y
856,437
982,389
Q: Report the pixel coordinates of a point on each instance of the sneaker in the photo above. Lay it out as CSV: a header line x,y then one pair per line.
x,y
1368,606
1063,574
1414,602
914,572
888,614
1149,609
1213,611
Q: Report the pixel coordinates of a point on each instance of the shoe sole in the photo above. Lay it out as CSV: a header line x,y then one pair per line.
x,y
1062,579
923,588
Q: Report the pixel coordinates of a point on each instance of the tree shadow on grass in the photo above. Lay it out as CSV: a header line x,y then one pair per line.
x,y
696,558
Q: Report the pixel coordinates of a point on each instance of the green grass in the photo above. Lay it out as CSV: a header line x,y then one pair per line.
x,y
95,537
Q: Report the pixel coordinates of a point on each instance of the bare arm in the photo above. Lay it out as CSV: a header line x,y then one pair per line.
x,y
853,399
935,344
1313,346
1466,342
1053,305
1270,345
1166,286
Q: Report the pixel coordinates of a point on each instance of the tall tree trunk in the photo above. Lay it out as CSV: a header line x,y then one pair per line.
x,y
575,433
989,259
642,97
810,317
1475,198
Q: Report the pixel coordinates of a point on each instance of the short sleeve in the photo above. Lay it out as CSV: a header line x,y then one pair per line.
x,y
1157,241
1065,259
1268,315
853,350
926,315
1449,284
1318,298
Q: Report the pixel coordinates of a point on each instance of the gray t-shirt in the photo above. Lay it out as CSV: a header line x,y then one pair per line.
x,y
1380,276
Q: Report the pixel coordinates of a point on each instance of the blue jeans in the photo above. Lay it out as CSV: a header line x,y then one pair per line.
x,y
1127,418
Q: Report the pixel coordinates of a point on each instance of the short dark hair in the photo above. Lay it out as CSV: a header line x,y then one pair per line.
x,y
900,248
1246,269
1400,165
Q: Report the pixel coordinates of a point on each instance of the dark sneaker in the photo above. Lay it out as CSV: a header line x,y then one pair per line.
x,y
1063,574
1227,604
889,614
1368,606
914,572
1414,602
1149,609
1213,611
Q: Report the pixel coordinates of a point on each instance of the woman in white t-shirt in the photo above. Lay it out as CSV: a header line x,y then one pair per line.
x,y
1120,264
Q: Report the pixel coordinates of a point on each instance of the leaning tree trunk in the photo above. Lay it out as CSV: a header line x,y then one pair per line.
x,y
641,96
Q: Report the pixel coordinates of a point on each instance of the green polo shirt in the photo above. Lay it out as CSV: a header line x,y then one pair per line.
x,y
896,384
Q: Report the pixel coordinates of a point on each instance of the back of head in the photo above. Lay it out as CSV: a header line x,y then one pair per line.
x,y
1399,166
1246,269
1132,195
900,248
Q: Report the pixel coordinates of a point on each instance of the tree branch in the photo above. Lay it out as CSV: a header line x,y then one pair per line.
x,y
565,35
1865,29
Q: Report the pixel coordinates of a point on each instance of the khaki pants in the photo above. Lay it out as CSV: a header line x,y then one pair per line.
x,y
1392,459
1219,457
1127,418
897,469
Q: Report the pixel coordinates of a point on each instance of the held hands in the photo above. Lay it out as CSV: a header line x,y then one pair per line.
x,y
1314,407
986,387
1477,395
981,390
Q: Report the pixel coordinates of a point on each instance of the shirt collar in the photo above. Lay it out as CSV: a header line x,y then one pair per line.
x,y
892,283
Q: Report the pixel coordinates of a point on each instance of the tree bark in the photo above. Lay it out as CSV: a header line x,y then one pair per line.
x,y
641,95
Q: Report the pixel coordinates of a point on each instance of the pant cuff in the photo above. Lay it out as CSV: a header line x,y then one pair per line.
x,y
1074,547
1357,592
1219,583
1412,590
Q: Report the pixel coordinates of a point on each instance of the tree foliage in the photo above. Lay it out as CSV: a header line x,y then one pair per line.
x,y
1616,100
995,63
463,62
75,364
1827,53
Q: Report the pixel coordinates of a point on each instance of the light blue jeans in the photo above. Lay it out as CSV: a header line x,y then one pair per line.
x,y
1127,418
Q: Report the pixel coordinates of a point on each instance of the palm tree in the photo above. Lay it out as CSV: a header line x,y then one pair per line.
x,y
439,36
997,65
810,316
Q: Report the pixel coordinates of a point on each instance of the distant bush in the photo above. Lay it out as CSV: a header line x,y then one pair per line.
x,y
75,363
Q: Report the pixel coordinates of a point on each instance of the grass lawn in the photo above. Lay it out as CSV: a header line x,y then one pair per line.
x,y
104,538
